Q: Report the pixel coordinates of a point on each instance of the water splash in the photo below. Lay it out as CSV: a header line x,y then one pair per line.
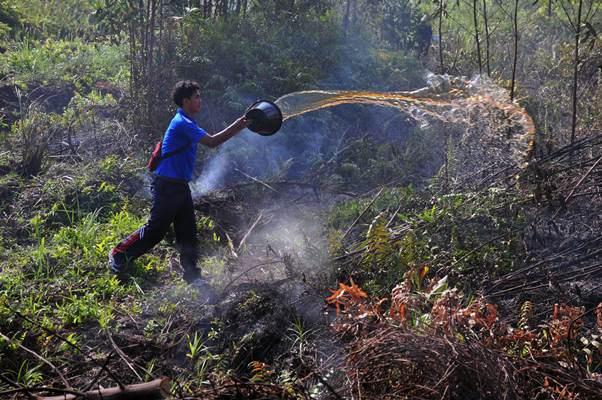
x,y
497,131
479,104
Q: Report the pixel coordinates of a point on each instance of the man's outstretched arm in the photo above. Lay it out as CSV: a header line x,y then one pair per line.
x,y
226,134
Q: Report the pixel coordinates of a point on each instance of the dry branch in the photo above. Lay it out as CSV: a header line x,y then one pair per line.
x,y
582,179
122,355
157,389
256,180
249,231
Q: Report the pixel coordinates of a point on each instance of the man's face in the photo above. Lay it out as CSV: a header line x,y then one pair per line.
x,y
193,103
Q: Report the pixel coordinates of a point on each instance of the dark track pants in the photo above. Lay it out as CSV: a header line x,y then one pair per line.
x,y
172,202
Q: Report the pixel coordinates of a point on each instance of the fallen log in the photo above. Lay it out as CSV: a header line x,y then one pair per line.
x,y
157,389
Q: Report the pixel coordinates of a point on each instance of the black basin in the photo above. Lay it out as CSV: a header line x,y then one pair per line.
x,y
266,117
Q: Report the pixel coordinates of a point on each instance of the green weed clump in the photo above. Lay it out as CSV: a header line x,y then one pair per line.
x,y
73,62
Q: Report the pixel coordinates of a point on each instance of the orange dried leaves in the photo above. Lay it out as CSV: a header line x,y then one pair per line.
x,y
346,295
565,319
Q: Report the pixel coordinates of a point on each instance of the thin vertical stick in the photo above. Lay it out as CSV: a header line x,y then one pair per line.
x,y
514,61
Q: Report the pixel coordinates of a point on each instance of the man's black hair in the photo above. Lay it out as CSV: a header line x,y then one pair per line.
x,y
183,90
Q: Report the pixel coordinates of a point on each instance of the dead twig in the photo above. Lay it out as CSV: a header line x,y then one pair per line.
x,y
244,238
256,180
220,392
231,245
122,355
569,336
589,171
394,215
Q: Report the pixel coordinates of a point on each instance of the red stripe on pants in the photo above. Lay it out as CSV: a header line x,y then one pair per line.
x,y
127,242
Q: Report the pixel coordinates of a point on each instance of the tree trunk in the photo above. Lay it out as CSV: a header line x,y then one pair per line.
x,y
346,18
132,43
151,33
576,72
476,35
486,37
161,28
143,37
442,66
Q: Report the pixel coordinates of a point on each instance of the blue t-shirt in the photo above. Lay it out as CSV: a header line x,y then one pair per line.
x,y
181,131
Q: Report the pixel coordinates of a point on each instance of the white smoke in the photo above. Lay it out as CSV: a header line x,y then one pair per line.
x,y
211,177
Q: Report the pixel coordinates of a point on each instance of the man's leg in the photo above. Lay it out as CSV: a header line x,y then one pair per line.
x,y
186,238
162,214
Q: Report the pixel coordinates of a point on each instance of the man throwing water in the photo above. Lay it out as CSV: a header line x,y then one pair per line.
x,y
172,200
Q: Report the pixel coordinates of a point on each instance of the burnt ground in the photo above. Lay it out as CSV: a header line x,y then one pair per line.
x,y
265,298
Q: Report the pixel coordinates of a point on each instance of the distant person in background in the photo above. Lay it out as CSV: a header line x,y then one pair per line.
x,y
172,200
424,34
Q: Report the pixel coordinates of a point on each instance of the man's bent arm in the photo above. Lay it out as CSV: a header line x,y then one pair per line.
x,y
226,134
